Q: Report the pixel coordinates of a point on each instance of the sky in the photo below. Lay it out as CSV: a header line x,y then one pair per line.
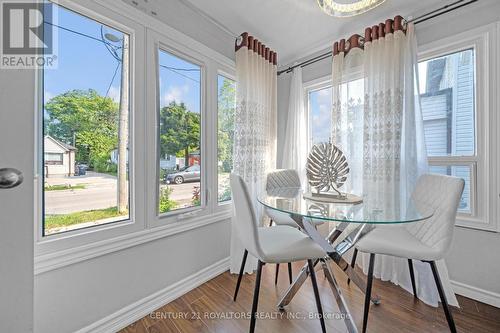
x,y
320,103
180,82
85,63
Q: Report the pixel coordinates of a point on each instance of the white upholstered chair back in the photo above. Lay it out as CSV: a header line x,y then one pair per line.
x,y
245,219
441,195
282,178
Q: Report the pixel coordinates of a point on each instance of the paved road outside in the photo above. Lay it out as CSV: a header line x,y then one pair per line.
x,y
100,192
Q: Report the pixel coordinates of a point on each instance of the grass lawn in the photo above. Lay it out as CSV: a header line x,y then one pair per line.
x,y
61,187
64,220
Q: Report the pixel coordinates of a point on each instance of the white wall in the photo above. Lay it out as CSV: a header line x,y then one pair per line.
x,y
76,295
473,259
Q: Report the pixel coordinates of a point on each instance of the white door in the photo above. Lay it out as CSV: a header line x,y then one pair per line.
x,y
17,132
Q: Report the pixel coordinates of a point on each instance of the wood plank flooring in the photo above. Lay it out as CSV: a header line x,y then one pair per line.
x,y
210,308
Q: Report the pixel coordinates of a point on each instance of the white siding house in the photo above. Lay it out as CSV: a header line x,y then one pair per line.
x,y
448,113
59,158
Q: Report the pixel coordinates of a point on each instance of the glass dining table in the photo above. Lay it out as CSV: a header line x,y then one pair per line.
x,y
351,221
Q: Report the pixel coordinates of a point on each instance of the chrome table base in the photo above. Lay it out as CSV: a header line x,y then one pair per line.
x,y
335,254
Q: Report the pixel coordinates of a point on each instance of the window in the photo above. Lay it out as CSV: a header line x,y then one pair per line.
x,y
85,126
80,146
447,92
53,159
179,133
226,104
320,115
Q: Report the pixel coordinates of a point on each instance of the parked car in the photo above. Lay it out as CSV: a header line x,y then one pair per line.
x,y
191,173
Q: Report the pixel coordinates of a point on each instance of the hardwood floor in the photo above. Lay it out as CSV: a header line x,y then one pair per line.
x,y
210,308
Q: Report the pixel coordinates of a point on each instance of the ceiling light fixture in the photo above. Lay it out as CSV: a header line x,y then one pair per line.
x,y
346,9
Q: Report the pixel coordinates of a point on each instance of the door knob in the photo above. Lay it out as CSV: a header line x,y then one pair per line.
x,y
10,178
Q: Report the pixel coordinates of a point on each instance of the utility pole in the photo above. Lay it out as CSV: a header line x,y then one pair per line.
x,y
123,130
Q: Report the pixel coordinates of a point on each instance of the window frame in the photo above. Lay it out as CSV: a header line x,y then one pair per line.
x,y
483,163
227,203
135,221
474,161
161,45
486,190
61,250
210,67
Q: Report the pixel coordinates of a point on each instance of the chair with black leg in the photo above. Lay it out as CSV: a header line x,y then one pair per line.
x,y
278,244
427,241
276,180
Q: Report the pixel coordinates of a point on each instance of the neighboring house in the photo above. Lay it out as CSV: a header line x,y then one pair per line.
x,y
448,112
168,163
194,157
59,158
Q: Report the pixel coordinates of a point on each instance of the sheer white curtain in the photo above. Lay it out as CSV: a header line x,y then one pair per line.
x,y
254,152
377,122
296,136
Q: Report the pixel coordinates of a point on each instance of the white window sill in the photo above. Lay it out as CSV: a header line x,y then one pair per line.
x,y
470,222
51,261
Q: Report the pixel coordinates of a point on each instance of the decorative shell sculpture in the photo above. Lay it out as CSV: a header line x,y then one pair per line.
x,y
327,168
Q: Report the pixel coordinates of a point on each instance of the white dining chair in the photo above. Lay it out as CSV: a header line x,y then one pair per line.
x,y
427,240
279,179
278,244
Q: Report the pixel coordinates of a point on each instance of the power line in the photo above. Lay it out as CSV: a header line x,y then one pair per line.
x,y
78,33
183,69
112,50
107,44
176,72
113,79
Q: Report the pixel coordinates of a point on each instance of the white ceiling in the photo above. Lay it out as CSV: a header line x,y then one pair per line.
x,y
295,28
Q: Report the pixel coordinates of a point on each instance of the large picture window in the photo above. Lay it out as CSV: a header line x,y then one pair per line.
x,y
179,134
447,86
85,126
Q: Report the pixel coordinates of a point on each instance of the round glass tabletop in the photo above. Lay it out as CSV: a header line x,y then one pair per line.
x,y
377,208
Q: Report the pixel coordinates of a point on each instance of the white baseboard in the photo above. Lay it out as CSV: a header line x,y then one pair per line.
x,y
478,294
133,312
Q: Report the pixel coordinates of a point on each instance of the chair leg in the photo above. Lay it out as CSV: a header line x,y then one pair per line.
x,y
290,272
368,293
256,297
353,262
270,222
412,277
447,312
316,294
276,274
242,268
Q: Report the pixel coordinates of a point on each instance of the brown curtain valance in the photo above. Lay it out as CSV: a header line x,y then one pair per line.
x,y
371,34
252,43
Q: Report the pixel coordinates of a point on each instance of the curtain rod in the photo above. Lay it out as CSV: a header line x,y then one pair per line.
x,y
422,18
